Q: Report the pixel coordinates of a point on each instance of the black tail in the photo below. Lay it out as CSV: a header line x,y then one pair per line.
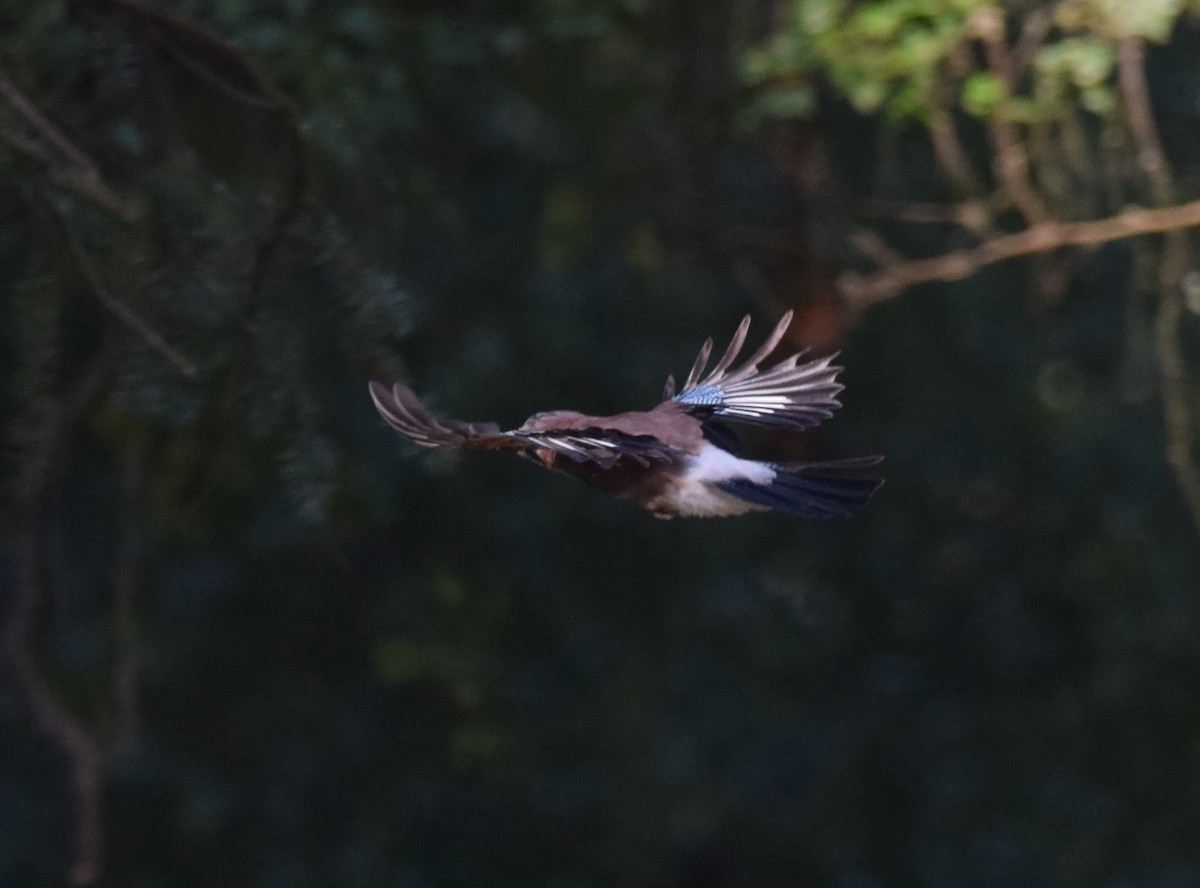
x,y
813,490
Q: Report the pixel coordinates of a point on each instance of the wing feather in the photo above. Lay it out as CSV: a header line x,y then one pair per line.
x,y
698,366
599,445
788,394
405,413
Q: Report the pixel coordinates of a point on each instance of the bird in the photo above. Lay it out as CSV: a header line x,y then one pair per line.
x,y
679,459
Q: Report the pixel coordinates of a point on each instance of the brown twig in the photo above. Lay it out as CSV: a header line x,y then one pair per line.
x,y
1033,33
944,138
949,154
972,215
1176,259
80,173
40,464
41,124
221,84
863,290
1131,72
126,579
260,92
872,245
62,727
119,309
1012,161
84,752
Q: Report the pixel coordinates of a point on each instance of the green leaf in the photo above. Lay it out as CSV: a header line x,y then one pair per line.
x,y
784,102
982,93
867,95
1098,99
879,21
817,16
1090,62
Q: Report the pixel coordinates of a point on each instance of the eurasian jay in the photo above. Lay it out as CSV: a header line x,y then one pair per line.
x,y
678,458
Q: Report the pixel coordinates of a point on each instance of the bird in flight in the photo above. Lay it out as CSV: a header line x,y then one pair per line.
x,y
678,459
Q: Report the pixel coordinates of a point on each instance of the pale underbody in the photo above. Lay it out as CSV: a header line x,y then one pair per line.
x,y
692,493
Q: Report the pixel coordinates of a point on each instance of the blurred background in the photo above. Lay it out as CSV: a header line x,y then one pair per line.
x,y
253,638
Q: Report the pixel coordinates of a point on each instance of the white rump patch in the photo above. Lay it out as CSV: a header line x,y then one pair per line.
x,y
693,494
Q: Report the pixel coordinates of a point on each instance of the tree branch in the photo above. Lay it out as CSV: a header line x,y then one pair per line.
x,y
972,215
84,755
259,92
84,752
948,152
119,309
126,579
81,173
861,291
1012,161
1131,72
41,124
1176,259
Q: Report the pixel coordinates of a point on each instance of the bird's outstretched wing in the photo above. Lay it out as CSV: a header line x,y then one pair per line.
x,y
405,413
788,394
599,445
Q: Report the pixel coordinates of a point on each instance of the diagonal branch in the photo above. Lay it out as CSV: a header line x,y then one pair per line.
x,y
122,311
41,124
861,291
81,172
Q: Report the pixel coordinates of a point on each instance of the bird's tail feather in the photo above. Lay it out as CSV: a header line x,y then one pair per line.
x,y
813,490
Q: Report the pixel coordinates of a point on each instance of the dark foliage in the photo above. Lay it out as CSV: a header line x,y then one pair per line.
x,y
307,656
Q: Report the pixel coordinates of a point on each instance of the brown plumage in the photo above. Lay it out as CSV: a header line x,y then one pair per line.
x,y
675,459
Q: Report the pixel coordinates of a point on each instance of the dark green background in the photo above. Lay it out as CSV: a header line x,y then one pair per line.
x,y
366,666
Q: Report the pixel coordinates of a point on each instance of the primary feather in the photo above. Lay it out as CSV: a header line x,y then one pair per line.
x,y
587,443
788,394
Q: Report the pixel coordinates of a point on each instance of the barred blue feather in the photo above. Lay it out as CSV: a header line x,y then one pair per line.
x,y
789,394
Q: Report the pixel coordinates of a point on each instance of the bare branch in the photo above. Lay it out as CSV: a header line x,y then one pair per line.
x,y
1012,161
1176,260
221,84
949,153
1173,375
39,466
126,579
85,755
863,290
1131,70
122,311
1033,33
972,215
81,173
872,245
167,30
41,124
